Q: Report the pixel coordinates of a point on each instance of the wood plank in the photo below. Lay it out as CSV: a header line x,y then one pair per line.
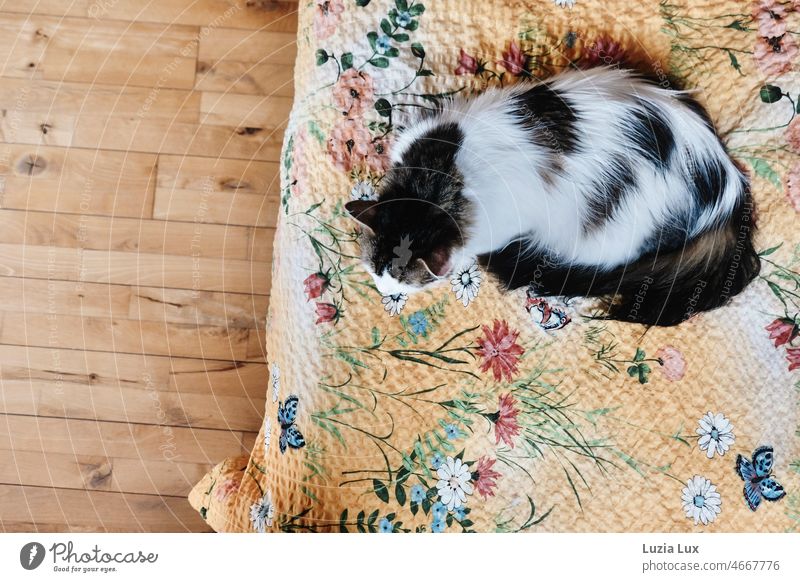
x,y
230,109
124,234
123,335
44,509
220,207
274,15
199,308
121,441
43,296
56,99
220,191
201,174
77,181
263,78
99,473
78,49
142,269
148,135
247,47
57,367
261,245
140,303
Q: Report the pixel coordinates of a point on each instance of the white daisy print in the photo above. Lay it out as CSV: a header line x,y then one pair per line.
x,y
466,283
565,3
363,190
701,501
716,434
454,483
394,304
267,433
275,377
262,512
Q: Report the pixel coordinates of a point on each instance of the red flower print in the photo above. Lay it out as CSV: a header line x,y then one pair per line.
x,y
326,17
514,60
505,422
793,356
226,488
770,16
349,144
485,477
673,364
467,65
500,350
776,55
315,285
603,51
782,331
327,312
353,92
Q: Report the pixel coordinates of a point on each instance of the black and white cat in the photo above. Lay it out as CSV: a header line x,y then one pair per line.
x,y
593,183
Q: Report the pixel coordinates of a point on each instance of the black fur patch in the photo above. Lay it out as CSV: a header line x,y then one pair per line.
x,y
696,108
607,194
420,199
651,135
707,180
550,117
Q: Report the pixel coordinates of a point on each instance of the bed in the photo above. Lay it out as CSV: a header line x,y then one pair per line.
x,y
465,409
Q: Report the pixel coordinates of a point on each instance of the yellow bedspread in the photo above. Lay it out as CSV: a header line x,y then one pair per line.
x,y
464,409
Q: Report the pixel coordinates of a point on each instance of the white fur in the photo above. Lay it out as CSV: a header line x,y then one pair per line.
x,y
503,170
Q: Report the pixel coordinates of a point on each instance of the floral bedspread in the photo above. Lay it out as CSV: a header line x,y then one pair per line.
x,y
465,409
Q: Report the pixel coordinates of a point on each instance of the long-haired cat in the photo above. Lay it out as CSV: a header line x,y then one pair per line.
x,y
595,183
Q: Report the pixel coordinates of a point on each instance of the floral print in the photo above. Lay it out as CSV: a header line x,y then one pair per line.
x,y
499,350
353,93
701,501
485,477
775,56
603,51
327,17
783,331
315,285
467,65
363,190
715,434
466,283
673,364
267,433
393,304
468,408
514,60
262,512
454,483
506,426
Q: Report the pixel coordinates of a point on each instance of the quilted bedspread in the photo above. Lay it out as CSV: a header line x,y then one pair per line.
x,y
466,409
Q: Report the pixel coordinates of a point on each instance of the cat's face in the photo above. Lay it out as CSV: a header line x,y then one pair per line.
x,y
406,244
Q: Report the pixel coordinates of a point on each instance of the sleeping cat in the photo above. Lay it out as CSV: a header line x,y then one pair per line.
x,y
593,183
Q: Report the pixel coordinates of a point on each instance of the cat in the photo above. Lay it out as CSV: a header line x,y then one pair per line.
x,y
599,183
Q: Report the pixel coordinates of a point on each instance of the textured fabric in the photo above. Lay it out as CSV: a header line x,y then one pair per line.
x,y
517,413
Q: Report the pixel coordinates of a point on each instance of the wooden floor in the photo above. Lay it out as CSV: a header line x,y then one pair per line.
x,y
138,195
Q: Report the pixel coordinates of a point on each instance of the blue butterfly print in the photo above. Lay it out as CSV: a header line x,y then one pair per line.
x,y
290,434
758,479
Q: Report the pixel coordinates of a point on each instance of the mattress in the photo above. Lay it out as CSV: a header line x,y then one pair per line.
x,y
464,408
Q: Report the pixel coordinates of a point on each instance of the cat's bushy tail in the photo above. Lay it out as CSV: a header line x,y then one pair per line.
x,y
661,288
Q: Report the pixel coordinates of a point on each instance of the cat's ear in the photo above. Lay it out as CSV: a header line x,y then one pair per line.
x,y
364,211
439,262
